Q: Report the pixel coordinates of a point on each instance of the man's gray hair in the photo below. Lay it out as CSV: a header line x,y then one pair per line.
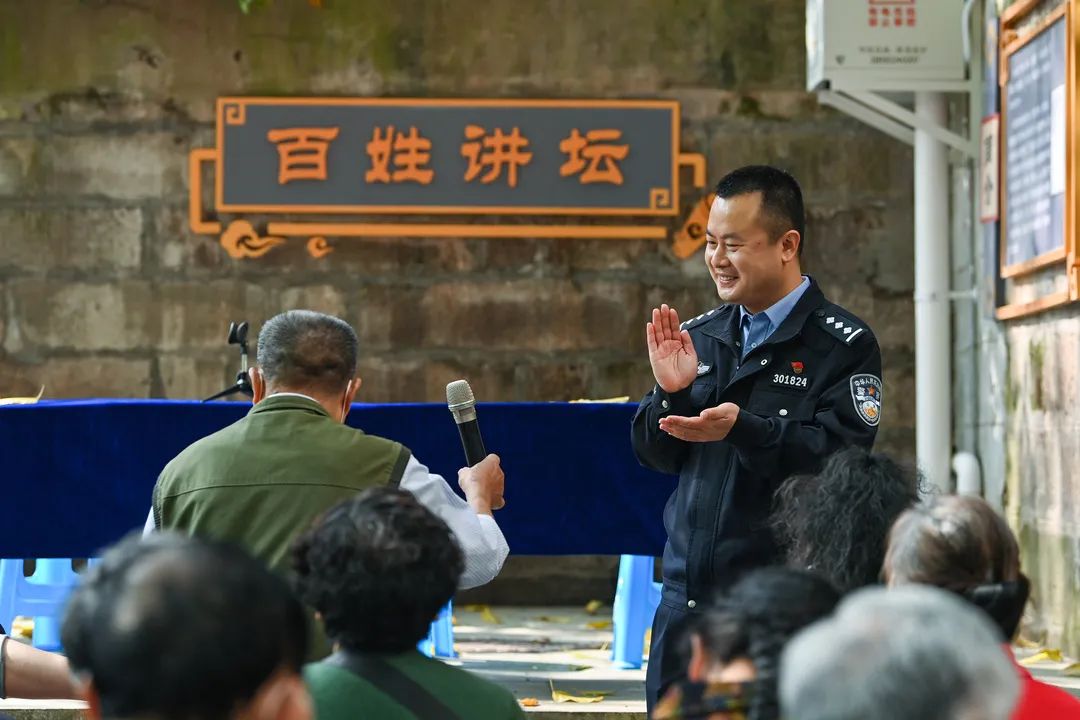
x,y
303,349
911,652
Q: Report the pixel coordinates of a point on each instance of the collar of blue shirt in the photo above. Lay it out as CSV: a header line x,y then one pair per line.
x,y
778,312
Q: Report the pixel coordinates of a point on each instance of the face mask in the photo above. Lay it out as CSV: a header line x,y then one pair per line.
x,y
705,701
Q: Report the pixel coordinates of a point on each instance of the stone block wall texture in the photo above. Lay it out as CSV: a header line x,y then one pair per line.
x,y
1042,493
104,291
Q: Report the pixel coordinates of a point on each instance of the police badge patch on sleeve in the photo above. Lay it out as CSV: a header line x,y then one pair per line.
x,y
866,394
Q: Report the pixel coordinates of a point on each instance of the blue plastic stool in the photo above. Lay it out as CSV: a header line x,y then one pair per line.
x,y
440,639
42,596
636,600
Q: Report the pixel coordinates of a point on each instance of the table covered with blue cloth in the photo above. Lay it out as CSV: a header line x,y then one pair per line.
x,y
77,475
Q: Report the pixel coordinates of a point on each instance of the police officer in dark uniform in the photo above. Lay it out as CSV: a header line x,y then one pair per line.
x,y
766,386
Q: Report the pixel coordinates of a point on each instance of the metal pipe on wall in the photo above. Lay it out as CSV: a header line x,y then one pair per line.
x,y
933,345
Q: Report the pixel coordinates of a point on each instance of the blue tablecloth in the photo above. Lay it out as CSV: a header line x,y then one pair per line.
x,y
77,475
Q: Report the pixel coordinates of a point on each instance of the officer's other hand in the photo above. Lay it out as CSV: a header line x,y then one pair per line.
x,y
711,425
671,352
483,485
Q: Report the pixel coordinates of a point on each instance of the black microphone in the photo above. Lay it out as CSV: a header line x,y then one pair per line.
x,y
462,404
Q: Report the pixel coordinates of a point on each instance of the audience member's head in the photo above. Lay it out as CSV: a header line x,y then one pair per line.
x,y
961,544
309,353
738,641
836,523
176,628
914,652
377,568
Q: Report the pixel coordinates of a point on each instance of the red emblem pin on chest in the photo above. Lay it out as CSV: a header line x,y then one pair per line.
x,y
797,367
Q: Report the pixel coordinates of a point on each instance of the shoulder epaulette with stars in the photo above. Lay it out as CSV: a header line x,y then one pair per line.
x,y
704,317
840,326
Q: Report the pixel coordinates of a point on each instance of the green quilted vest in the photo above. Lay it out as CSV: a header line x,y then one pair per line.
x,y
264,479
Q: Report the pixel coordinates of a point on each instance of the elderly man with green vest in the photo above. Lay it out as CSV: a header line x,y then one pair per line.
x,y
262,480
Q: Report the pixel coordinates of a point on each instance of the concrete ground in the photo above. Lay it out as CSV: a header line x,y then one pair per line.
x,y
533,652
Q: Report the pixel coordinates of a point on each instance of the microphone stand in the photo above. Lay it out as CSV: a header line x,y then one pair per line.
x,y
238,336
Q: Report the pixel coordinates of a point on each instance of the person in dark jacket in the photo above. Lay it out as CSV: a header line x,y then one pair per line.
x,y
765,386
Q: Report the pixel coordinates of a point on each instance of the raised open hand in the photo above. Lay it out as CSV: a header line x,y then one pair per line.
x,y
671,352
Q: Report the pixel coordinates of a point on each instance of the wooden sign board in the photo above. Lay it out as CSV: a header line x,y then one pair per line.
x,y
349,157
1038,156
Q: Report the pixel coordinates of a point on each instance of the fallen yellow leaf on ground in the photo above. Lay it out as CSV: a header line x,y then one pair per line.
x,y
586,697
23,627
553,619
593,606
530,702
1047,655
485,613
599,625
1072,670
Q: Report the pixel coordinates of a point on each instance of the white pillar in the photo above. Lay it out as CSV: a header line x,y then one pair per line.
x,y
933,343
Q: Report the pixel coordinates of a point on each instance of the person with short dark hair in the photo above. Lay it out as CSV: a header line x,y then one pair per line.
x,y
262,480
766,386
959,543
377,568
735,645
178,628
836,523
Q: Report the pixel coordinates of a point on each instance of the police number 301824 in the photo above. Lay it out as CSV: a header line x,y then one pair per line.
x,y
792,380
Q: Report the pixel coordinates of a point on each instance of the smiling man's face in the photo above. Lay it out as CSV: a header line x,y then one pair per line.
x,y
749,266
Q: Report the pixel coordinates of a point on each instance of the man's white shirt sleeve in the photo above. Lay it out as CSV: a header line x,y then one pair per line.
x,y
479,536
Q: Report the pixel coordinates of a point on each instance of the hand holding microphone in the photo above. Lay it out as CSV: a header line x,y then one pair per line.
x,y
483,485
483,480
